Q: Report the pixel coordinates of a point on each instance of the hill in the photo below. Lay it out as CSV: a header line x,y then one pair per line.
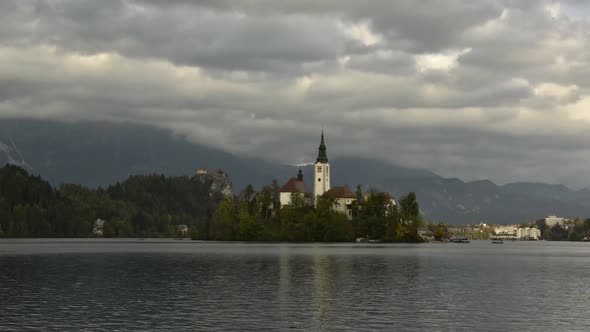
x,y
140,206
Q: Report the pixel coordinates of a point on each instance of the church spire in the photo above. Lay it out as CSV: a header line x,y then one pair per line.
x,y
322,156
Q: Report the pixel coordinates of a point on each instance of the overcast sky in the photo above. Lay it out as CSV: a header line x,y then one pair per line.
x,y
470,89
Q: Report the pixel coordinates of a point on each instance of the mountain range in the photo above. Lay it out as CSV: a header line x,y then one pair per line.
x,y
98,154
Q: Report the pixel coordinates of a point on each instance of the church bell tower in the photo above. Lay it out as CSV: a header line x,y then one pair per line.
x,y
321,172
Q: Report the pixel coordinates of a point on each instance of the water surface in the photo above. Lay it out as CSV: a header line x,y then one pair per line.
x,y
139,285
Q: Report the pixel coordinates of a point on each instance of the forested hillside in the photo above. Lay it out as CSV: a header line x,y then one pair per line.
x,y
141,206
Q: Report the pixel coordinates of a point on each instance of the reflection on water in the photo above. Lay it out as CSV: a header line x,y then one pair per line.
x,y
322,283
105,285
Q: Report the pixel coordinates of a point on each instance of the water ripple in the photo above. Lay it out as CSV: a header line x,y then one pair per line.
x,y
97,285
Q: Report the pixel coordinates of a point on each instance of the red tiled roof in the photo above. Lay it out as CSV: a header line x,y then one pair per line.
x,y
340,192
294,186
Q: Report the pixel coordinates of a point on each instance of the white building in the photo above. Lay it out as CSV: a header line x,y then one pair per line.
x,y
551,221
321,172
293,186
528,233
98,227
182,230
343,199
204,171
505,232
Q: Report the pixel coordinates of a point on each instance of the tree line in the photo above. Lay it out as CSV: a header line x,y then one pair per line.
x,y
154,205
255,216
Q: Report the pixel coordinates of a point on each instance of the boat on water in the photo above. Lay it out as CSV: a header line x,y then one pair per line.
x,y
366,240
460,240
497,241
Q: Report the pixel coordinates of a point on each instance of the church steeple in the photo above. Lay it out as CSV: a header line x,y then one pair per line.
x,y
321,172
300,175
322,156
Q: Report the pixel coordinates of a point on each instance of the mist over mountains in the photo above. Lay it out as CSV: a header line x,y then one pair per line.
x,y
99,154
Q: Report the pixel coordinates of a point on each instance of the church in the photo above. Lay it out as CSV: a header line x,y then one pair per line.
x,y
343,197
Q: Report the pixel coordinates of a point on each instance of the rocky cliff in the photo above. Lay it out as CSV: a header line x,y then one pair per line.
x,y
218,183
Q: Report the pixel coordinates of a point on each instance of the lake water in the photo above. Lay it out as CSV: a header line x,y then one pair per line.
x,y
139,285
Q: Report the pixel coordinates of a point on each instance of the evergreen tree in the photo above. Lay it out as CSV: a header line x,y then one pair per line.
x,y
410,219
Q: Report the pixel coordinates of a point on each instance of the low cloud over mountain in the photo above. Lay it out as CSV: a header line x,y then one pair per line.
x,y
469,89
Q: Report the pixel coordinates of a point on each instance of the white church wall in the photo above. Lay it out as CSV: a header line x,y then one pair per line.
x,y
285,198
321,179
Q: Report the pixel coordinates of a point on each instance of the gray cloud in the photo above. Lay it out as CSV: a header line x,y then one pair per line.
x,y
485,89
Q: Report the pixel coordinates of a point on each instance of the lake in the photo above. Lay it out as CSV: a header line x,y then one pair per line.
x,y
140,285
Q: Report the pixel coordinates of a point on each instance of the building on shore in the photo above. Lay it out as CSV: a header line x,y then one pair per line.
x,y
182,230
98,227
507,232
295,186
528,233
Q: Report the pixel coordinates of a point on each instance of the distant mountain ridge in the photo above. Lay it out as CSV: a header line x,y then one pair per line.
x,y
99,154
